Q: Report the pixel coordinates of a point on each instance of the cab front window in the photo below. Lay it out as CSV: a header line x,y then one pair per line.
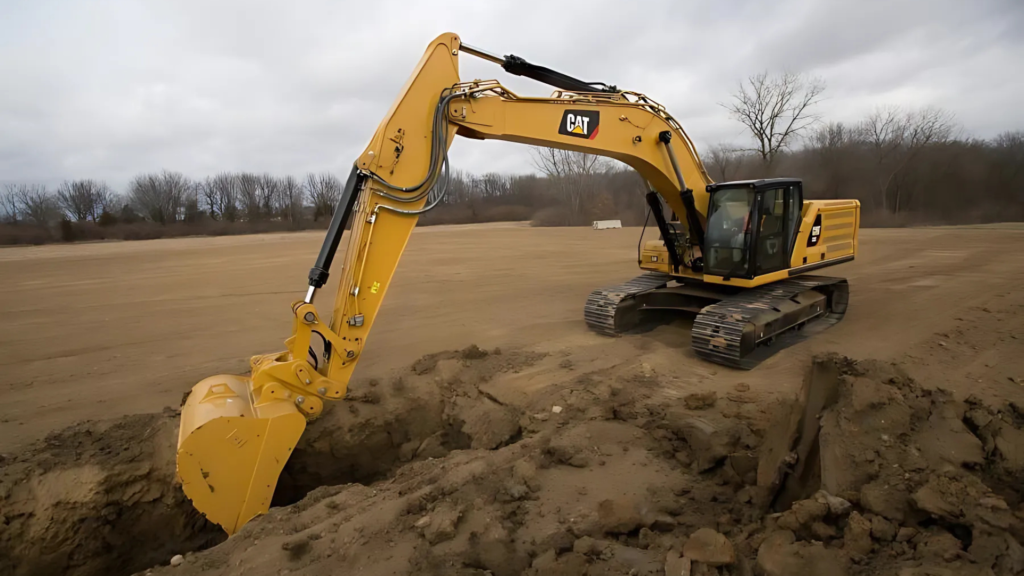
x,y
726,245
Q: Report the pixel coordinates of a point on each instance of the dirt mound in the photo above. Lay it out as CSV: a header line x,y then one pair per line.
x,y
894,477
438,470
884,477
98,498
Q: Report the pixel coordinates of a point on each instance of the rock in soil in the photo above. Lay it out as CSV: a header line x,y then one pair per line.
x,y
619,515
885,500
439,525
781,555
700,400
857,536
709,547
882,530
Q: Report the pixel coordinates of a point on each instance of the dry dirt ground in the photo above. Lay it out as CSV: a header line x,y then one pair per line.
x,y
656,463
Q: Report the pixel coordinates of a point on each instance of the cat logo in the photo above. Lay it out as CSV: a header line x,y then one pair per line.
x,y
580,123
815,235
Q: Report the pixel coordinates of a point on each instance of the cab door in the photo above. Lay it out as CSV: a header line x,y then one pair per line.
x,y
778,216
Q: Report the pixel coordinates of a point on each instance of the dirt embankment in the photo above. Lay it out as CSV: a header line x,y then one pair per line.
x,y
866,472
100,498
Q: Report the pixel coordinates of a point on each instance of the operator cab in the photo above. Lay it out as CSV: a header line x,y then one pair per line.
x,y
751,226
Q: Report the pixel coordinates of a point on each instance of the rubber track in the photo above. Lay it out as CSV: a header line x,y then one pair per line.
x,y
599,311
718,328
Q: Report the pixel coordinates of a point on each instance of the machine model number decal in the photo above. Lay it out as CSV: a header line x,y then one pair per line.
x,y
815,235
580,123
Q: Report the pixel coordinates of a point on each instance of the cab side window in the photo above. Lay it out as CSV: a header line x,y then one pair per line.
x,y
772,241
794,214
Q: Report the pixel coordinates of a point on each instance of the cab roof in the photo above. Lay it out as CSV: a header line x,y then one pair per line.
x,y
763,184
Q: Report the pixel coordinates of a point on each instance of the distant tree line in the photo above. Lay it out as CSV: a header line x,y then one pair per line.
x,y
918,173
584,188
169,197
166,204
906,166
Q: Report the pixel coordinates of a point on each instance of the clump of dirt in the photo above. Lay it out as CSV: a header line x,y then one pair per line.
x,y
98,498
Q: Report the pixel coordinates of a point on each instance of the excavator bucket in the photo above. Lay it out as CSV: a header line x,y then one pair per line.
x,y
232,449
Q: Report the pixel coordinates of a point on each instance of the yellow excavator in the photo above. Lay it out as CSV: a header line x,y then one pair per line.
x,y
736,255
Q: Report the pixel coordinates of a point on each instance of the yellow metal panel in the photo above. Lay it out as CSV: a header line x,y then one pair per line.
x,y
834,250
379,235
748,283
627,132
838,237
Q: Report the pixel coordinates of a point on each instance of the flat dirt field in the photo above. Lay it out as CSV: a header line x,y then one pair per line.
x,y
107,330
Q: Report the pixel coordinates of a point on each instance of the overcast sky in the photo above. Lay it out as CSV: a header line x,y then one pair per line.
x,y
108,89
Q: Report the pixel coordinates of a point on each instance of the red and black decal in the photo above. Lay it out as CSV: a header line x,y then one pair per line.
x,y
580,123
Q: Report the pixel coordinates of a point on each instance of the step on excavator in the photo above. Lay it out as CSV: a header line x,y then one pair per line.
x,y
736,253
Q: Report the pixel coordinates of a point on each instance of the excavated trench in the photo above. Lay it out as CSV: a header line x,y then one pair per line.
x,y
100,498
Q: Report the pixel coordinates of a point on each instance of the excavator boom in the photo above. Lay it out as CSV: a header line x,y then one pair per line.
x,y
237,432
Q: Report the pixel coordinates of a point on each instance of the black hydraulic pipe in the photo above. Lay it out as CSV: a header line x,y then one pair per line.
x,y
515,65
685,193
654,201
342,213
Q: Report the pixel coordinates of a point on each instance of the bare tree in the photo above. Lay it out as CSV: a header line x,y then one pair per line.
x,y
207,194
160,197
84,199
36,204
571,174
268,190
1009,147
723,160
323,190
830,144
494,184
291,199
222,195
10,207
191,212
775,109
460,187
897,137
249,196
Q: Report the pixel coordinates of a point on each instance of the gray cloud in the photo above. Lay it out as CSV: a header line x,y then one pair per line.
x,y
109,89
